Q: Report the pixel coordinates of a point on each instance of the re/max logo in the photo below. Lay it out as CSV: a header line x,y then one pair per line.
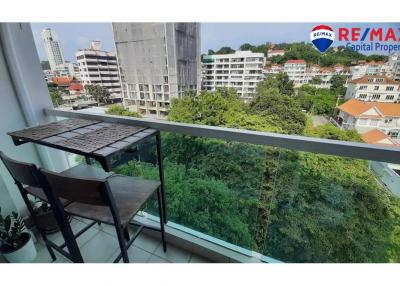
x,y
369,34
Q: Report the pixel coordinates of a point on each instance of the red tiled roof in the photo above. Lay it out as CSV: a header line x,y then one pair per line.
x,y
276,51
296,62
365,79
76,87
62,80
356,107
375,136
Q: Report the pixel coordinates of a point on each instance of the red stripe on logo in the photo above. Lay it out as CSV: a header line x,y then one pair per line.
x,y
325,27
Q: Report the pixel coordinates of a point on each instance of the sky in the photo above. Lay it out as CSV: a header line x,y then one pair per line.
x,y
74,36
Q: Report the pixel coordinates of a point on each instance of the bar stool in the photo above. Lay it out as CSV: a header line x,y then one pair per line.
x,y
114,200
26,177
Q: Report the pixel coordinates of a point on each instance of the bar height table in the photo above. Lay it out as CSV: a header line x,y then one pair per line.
x,y
98,140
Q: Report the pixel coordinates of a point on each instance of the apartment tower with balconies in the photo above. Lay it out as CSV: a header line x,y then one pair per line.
x,y
158,62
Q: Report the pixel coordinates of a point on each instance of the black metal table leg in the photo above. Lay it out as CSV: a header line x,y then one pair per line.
x,y
161,175
62,222
87,160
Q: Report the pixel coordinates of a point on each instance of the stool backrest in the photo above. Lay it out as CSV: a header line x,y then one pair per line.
x,y
21,172
87,191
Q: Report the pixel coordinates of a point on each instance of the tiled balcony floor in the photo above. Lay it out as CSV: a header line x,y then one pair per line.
x,y
99,244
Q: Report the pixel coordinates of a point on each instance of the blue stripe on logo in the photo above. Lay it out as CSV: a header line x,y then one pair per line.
x,y
365,34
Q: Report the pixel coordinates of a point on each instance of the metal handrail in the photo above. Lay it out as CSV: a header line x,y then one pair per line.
x,y
293,142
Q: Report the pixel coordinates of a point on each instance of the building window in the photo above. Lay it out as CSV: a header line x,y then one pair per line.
x,y
394,133
362,96
376,87
389,88
363,87
389,97
376,96
374,122
362,121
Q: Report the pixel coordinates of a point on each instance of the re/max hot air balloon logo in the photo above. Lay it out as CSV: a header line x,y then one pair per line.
x,y
360,39
322,36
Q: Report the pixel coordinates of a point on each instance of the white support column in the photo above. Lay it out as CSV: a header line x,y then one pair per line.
x,y
24,95
30,87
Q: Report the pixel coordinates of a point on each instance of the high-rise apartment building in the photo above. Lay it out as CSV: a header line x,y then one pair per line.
x,y
99,68
53,49
158,62
242,70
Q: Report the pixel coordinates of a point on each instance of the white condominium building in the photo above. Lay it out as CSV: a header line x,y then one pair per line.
x,y
296,71
394,65
53,49
242,70
97,67
364,68
373,88
158,62
68,69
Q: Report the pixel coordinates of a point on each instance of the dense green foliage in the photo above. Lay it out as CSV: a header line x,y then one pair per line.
x,y
222,51
99,93
330,209
317,100
290,205
330,131
55,96
337,84
119,110
222,108
197,201
279,81
306,51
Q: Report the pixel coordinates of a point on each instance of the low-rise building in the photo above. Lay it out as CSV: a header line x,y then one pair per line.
x,y
388,174
296,71
365,116
273,69
63,82
376,136
373,88
48,75
242,70
394,66
363,68
68,69
272,53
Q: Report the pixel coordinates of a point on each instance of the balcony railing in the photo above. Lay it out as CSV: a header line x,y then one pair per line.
x,y
293,142
244,190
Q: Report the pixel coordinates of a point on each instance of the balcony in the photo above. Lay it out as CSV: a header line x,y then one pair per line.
x,y
245,203
146,248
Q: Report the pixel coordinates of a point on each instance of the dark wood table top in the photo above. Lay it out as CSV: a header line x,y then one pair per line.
x,y
85,137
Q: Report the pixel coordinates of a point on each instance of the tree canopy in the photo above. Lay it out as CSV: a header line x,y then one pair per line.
x,y
55,96
320,101
99,93
290,205
279,81
306,51
119,110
